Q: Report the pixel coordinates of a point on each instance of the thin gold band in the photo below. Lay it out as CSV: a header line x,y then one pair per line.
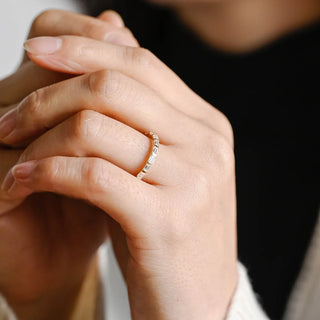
x,y
153,154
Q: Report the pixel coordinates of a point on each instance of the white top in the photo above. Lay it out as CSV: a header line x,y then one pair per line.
x,y
16,17
115,295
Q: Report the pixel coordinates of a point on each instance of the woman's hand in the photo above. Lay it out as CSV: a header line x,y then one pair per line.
x,y
174,233
47,241
29,77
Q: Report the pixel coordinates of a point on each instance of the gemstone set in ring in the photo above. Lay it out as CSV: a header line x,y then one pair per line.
x,y
153,155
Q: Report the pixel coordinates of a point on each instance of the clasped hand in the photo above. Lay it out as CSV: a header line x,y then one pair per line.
x,y
76,137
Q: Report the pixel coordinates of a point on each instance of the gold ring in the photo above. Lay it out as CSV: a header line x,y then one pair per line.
x,y
152,156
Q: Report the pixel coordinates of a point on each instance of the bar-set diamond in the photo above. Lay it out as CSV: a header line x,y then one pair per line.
x,y
153,155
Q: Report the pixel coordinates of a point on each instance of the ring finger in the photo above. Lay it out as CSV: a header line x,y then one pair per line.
x,y
91,134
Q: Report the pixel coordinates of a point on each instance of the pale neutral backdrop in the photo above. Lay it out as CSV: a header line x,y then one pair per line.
x,y
15,19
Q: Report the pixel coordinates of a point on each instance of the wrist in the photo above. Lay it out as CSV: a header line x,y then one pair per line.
x,y
188,299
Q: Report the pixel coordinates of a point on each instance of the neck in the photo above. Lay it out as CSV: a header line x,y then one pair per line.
x,y
240,26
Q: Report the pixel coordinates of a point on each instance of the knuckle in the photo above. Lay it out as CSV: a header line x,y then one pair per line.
x,y
225,156
129,35
112,16
105,84
216,119
218,154
31,106
85,126
93,29
95,175
47,172
50,169
127,31
106,13
122,37
227,130
42,19
140,57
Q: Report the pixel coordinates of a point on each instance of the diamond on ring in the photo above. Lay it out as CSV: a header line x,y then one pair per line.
x,y
152,156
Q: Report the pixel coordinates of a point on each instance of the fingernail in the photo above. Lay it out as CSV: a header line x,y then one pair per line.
x,y
23,170
43,45
7,124
8,182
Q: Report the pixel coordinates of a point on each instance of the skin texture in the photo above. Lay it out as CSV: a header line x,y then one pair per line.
x,y
173,233
174,251
45,227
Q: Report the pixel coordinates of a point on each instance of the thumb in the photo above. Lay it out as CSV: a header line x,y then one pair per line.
x,y
112,17
126,37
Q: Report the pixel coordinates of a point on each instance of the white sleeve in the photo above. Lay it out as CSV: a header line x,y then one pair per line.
x,y
5,311
244,305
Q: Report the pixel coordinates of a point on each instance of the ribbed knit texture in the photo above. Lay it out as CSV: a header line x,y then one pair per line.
x,y
304,303
244,304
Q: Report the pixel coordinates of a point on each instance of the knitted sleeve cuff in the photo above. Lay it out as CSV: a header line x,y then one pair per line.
x,y
244,304
5,311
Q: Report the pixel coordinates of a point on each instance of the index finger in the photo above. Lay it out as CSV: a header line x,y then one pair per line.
x,y
78,55
61,22
107,27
